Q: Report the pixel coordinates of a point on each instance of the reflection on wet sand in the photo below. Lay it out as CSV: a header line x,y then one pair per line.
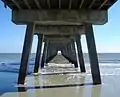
x,y
75,85
66,90
63,88
96,91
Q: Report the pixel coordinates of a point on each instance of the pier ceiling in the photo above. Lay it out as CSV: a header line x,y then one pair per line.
x,y
59,4
60,17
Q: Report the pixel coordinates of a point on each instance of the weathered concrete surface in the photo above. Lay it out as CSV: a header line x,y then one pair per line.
x,y
60,17
59,39
59,29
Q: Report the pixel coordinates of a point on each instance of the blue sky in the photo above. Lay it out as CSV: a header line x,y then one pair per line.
x,y
107,36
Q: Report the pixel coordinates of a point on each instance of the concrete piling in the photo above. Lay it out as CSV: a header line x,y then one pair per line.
x,y
80,53
43,55
26,52
51,52
70,54
38,53
92,54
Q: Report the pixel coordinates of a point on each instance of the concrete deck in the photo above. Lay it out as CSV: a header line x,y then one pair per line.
x,y
59,4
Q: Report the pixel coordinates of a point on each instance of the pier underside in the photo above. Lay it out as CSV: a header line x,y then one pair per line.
x,y
59,24
59,4
60,42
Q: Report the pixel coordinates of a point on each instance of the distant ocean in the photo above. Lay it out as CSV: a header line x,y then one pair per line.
x,y
10,62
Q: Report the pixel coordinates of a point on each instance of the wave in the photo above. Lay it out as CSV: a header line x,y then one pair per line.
x,y
106,61
14,67
109,61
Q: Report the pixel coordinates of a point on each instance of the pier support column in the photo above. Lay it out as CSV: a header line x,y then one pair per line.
x,y
70,53
38,53
51,52
74,55
26,52
43,55
65,53
46,52
80,53
92,54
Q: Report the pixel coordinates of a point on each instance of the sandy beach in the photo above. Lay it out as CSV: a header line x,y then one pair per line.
x,y
63,80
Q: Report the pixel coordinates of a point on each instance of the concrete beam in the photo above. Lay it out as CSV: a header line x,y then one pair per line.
x,y
37,4
81,4
60,17
26,52
17,4
59,38
59,30
27,4
38,53
57,45
92,3
92,54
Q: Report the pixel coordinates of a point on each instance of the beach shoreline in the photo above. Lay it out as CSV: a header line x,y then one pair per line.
x,y
67,85
61,80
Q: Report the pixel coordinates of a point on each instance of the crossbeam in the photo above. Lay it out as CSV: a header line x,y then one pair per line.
x,y
60,17
59,30
17,4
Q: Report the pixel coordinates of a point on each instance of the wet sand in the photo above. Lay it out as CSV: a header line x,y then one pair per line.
x,y
63,80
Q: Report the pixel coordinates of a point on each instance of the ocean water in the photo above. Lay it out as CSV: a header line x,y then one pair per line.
x,y
10,62
9,67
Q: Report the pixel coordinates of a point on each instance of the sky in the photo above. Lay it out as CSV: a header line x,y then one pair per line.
x,y
107,36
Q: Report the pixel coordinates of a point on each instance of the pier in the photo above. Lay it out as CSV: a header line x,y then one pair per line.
x,y
59,24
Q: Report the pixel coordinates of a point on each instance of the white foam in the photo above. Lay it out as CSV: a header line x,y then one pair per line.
x,y
21,85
